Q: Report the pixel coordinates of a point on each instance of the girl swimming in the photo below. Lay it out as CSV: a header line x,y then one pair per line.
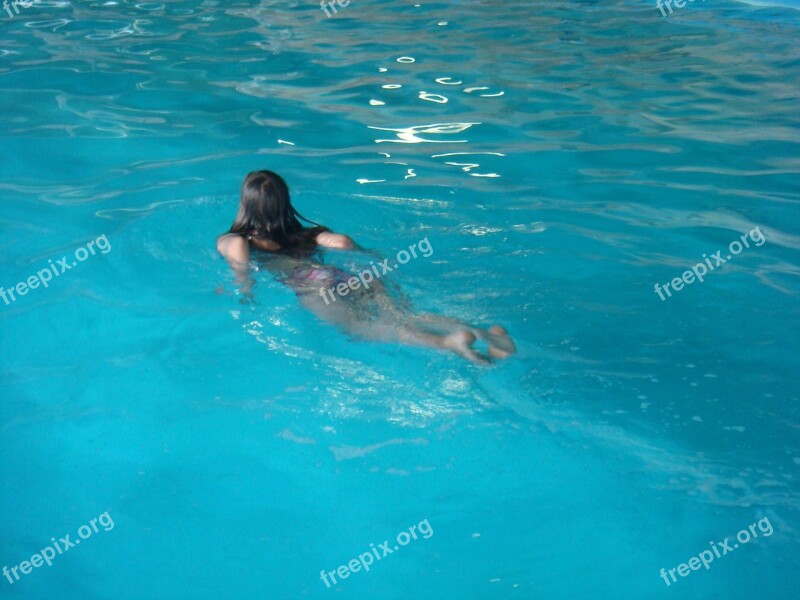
x,y
268,228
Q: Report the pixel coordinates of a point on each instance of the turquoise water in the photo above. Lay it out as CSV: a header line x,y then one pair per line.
x,y
569,157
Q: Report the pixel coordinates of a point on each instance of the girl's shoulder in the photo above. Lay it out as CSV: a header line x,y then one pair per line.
x,y
233,246
227,240
228,236
329,239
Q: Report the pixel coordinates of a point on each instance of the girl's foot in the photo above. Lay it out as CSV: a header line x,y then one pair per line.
x,y
461,342
500,343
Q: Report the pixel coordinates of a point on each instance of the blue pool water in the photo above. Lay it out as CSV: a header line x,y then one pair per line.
x,y
562,158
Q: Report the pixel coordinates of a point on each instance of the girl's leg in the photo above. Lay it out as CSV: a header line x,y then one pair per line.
x,y
389,323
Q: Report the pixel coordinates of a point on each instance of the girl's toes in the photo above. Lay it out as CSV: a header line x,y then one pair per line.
x,y
501,344
498,330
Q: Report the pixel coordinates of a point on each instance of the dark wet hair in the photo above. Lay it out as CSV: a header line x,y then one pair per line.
x,y
268,219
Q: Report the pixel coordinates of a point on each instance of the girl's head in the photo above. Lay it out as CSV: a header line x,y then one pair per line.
x,y
265,211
